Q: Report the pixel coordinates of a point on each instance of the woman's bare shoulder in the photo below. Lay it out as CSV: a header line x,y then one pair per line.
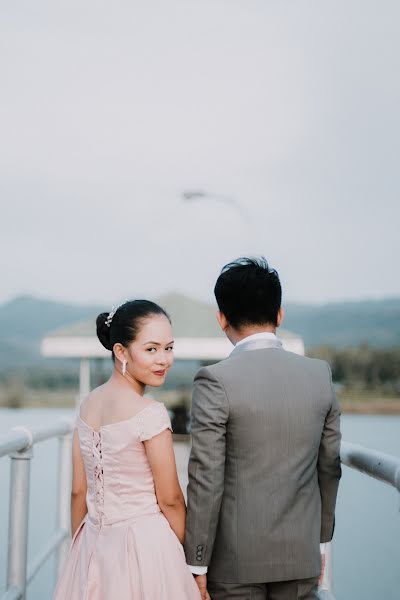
x,y
92,400
105,405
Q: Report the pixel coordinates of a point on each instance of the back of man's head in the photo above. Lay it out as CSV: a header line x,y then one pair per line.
x,y
248,292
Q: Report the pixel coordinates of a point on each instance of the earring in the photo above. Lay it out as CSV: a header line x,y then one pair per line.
x,y
123,367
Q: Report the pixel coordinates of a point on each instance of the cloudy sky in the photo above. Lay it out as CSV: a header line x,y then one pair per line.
x,y
109,111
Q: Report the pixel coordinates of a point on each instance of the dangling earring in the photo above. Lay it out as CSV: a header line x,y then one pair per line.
x,y
123,367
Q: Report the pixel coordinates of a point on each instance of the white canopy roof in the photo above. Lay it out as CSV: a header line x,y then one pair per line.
x,y
197,334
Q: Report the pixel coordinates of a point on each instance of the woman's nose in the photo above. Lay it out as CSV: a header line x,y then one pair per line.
x,y
162,358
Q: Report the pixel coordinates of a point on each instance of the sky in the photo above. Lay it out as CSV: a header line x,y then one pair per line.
x,y
110,111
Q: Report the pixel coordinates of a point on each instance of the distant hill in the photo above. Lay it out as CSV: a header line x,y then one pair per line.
x,y
23,323
341,324
25,320
31,318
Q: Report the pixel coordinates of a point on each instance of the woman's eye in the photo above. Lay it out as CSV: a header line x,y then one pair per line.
x,y
151,349
169,348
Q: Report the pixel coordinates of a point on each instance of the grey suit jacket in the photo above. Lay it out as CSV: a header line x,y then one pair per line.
x,y
264,467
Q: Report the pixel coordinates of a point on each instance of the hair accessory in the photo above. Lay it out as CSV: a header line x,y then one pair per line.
x,y
112,313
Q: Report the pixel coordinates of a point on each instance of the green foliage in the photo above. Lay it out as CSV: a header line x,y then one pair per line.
x,y
364,366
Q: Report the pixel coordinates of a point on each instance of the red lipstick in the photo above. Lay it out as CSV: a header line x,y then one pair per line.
x,y
159,373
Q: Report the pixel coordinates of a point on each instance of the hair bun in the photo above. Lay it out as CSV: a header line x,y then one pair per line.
x,y
103,332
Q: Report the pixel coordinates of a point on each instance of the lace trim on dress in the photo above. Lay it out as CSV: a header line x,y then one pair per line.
x,y
98,473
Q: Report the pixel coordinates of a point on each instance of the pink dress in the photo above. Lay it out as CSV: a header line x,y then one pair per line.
x,y
124,549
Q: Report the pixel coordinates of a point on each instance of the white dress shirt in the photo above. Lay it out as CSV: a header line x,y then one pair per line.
x,y
264,335
268,335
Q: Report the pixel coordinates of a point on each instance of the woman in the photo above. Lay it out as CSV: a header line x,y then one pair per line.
x,y
127,508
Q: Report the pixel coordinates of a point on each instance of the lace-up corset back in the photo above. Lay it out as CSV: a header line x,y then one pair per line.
x,y
98,474
120,483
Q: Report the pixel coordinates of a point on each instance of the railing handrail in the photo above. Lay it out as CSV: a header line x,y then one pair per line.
x,y
21,438
374,463
378,465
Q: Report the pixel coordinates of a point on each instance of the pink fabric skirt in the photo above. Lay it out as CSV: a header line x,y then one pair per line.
x,y
137,559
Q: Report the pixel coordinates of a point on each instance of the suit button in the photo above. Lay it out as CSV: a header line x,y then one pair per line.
x,y
198,558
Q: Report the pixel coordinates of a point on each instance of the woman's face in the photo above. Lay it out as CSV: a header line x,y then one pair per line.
x,y
150,355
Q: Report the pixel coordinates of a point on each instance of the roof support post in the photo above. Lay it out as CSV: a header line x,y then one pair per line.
x,y
84,379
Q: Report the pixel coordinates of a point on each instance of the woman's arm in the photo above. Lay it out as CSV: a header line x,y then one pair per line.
x,y
160,454
79,486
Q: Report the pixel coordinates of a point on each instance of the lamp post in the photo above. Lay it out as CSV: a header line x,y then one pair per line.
x,y
198,195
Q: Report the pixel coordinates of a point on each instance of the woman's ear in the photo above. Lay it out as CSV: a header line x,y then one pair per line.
x,y
281,314
119,352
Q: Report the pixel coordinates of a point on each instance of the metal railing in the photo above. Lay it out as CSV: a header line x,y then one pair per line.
x,y
380,466
18,445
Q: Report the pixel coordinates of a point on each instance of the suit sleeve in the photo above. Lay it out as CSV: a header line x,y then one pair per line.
x,y
329,467
206,467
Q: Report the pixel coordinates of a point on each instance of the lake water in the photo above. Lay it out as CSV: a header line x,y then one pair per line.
x,y
367,535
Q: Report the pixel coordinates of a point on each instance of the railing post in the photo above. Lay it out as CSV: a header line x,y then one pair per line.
x,y
18,520
64,489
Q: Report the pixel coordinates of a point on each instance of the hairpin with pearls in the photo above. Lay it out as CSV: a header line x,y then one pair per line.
x,y
112,313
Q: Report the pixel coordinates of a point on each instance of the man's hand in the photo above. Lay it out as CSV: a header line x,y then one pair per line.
x,y
201,581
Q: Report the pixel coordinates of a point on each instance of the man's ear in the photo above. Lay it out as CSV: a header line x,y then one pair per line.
x,y
221,318
281,314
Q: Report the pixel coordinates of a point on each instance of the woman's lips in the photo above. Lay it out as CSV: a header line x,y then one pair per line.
x,y
159,373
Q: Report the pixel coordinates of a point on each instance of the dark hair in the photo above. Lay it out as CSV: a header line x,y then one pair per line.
x,y
126,322
248,292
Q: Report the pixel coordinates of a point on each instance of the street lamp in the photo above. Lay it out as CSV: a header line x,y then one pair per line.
x,y
198,195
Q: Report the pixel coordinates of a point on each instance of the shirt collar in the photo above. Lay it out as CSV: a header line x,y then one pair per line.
x,y
264,335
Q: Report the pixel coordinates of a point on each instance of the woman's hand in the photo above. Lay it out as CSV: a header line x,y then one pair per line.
x,y
321,577
201,581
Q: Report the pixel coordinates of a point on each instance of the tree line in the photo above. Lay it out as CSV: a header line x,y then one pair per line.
x,y
363,366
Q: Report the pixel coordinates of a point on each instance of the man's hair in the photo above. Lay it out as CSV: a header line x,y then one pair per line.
x,y
248,292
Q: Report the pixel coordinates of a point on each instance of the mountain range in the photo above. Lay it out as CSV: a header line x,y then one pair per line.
x,y
25,320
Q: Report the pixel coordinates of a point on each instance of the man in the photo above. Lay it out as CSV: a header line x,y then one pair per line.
x,y
264,467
